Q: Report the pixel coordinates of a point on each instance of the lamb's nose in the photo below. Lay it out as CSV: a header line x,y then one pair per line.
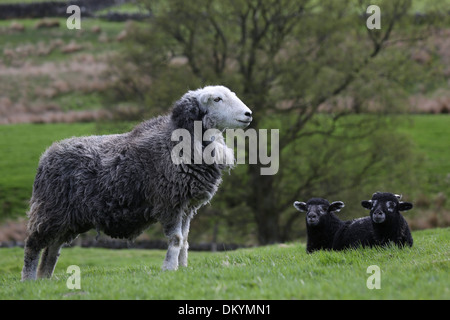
x,y
378,214
248,114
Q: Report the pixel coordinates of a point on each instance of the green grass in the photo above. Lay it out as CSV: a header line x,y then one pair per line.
x,y
124,8
430,134
84,37
428,5
272,272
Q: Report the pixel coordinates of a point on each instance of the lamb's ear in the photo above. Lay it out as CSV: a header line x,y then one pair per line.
x,y
405,206
376,193
186,111
367,204
300,206
336,206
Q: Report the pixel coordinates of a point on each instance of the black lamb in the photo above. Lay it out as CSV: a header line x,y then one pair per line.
x,y
384,225
321,222
387,222
354,233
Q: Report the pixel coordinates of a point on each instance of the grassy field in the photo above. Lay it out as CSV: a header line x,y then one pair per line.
x,y
46,70
431,134
274,272
43,70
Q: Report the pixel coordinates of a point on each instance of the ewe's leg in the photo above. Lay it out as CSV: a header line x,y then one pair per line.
x,y
49,258
175,235
31,259
183,257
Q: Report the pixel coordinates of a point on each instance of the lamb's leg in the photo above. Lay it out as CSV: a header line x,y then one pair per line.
x,y
183,257
31,259
175,235
49,258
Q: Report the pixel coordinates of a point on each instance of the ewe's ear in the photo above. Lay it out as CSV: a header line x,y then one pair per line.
x,y
186,111
336,206
300,206
204,97
367,204
405,206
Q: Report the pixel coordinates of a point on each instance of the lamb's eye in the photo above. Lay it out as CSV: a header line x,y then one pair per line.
x,y
390,205
217,99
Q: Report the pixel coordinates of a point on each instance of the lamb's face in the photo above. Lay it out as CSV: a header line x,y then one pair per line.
x,y
385,206
224,110
317,209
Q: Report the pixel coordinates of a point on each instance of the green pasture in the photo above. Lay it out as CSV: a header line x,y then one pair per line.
x,y
431,134
282,271
86,37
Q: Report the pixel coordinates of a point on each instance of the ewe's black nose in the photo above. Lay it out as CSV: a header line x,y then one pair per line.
x,y
248,114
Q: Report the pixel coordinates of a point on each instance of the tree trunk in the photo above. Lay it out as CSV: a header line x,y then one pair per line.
x,y
263,204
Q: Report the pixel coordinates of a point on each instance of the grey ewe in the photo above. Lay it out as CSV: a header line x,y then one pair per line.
x,y
121,184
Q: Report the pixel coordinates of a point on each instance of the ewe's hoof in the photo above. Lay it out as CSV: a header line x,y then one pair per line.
x,y
169,267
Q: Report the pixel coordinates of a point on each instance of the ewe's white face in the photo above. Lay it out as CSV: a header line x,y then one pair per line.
x,y
224,109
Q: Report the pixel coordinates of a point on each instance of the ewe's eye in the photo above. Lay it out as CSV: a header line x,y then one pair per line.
x,y
390,205
217,99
